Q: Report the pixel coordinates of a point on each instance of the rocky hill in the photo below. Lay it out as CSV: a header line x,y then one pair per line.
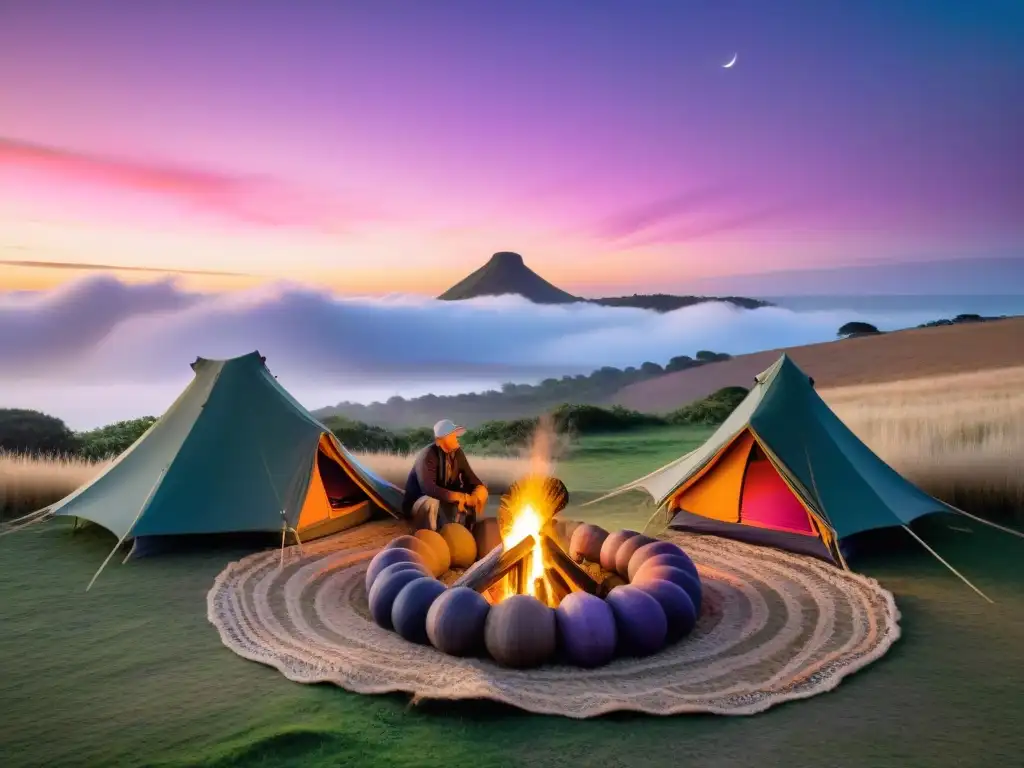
x,y
506,273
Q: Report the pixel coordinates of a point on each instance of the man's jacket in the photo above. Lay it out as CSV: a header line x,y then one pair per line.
x,y
440,476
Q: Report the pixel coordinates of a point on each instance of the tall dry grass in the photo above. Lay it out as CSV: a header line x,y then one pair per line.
x,y
27,484
961,437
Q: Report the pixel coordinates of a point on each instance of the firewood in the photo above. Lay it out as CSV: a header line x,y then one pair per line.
x,y
484,565
540,590
521,579
487,572
559,588
575,577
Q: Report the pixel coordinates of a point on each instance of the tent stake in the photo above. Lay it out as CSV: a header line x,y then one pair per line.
x,y
145,504
951,568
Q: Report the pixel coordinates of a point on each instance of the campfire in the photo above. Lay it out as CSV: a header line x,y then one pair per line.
x,y
536,586
531,558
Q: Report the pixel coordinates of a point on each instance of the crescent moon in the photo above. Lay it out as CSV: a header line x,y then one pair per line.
x,y
729,65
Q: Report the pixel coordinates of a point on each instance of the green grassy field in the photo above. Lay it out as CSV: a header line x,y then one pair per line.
x,y
132,674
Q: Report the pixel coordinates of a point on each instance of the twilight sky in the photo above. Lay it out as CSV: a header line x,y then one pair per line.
x,y
392,146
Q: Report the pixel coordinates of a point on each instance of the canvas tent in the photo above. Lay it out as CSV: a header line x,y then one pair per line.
x,y
234,453
784,471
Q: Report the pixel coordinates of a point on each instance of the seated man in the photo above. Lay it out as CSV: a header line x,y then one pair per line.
x,y
441,484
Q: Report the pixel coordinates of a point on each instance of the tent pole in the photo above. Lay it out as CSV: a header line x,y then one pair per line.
x,y
997,526
839,554
951,568
817,497
145,504
284,533
130,551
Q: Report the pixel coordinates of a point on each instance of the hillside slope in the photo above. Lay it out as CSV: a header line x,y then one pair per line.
x,y
895,356
506,273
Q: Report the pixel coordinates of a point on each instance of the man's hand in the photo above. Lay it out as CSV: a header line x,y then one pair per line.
x,y
479,497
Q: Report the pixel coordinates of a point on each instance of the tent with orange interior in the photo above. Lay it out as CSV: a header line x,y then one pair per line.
x,y
784,471
234,453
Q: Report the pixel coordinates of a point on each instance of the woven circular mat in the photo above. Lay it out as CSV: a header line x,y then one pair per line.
x,y
774,627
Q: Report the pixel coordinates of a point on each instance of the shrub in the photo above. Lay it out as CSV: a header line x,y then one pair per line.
x,y
34,433
113,439
856,328
588,419
713,409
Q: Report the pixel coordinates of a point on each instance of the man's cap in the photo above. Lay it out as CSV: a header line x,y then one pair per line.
x,y
446,427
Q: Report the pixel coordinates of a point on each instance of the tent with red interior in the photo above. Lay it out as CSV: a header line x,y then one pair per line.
x,y
784,471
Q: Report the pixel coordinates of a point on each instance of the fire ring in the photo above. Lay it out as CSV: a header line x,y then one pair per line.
x,y
546,591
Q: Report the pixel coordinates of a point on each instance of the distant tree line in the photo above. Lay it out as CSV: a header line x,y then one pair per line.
x,y
510,435
38,434
663,302
512,401
960,319
858,328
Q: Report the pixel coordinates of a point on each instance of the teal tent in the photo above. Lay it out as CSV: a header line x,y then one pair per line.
x,y
783,470
234,453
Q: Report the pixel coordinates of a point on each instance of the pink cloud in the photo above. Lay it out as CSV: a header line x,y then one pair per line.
x,y
254,200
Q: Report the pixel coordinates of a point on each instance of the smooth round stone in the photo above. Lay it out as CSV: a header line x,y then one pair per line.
x,y
626,550
647,551
395,567
440,548
640,621
586,543
690,585
569,528
487,534
409,611
610,582
520,632
387,557
386,588
611,545
455,621
461,544
678,560
678,608
586,629
420,547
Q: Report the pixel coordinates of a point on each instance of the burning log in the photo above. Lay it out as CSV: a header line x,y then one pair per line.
x,y
575,577
518,577
540,590
559,588
498,564
484,565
